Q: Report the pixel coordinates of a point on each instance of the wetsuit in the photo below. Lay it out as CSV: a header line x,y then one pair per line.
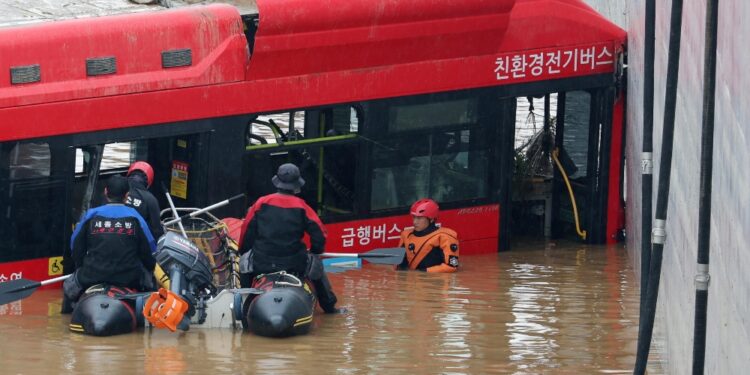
x,y
112,244
433,249
273,229
144,202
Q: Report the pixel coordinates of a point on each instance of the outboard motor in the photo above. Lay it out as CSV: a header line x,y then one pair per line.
x,y
190,279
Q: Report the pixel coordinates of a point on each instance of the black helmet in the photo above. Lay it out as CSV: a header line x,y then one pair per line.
x,y
287,178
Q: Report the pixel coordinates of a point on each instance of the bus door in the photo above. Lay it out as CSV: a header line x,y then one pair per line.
x,y
583,136
322,142
585,132
562,148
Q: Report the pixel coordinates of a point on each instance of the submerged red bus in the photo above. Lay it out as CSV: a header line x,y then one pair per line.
x,y
380,104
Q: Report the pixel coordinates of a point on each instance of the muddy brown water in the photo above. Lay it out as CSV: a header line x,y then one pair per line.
x,y
541,309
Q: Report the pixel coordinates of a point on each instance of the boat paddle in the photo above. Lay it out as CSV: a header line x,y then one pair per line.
x,y
391,255
14,290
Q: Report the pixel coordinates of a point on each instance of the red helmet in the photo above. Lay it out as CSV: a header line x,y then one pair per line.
x,y
425,207
145,168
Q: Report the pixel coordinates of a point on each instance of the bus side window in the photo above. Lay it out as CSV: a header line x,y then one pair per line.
x,y
446,166
31,201
338,180
332,167
282,127
577,128
116,158
322,142
432,148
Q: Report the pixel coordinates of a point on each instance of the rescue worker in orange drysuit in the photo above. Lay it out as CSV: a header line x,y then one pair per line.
x,y
428,247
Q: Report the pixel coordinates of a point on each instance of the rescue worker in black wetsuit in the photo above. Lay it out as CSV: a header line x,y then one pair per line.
x,y
428,247
273,230
112,244
140,178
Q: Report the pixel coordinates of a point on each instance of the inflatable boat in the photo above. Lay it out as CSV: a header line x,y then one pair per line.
x,y
105,310
285,306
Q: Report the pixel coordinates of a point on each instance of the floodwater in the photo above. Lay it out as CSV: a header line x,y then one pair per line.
x,y
543,308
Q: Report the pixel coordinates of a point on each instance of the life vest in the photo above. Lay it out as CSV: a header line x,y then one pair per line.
x,y
436,251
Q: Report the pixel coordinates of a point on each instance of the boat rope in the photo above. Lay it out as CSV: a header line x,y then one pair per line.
x,y
295,280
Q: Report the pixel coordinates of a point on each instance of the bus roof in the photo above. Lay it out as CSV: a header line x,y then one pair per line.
x,y
304,53
22,12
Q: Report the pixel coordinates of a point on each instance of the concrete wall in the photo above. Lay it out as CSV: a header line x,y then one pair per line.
x,y
728,342
615,10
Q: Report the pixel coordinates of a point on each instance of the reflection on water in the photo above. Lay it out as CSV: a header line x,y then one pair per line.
x,y
544,308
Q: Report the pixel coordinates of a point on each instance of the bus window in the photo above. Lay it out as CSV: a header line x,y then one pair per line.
x,y
330,175
533,141
29,160
330,164
447,166
434,146
275,128
118,155
32,200
279,128
432,115
322,142
576,140
116,158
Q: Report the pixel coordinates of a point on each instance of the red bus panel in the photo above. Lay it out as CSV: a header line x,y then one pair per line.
x,y
479,223
39,269
300,59
213,34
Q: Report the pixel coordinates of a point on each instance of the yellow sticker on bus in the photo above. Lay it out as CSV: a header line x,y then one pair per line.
x,y
54,266
179,179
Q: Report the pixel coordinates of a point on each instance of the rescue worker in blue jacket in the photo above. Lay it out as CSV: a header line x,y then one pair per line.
x,y
428,247
111,244
140,178
273,229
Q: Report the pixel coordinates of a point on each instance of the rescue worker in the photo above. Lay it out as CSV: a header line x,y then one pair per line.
x,y
428,247
140,178
272,232
111,244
